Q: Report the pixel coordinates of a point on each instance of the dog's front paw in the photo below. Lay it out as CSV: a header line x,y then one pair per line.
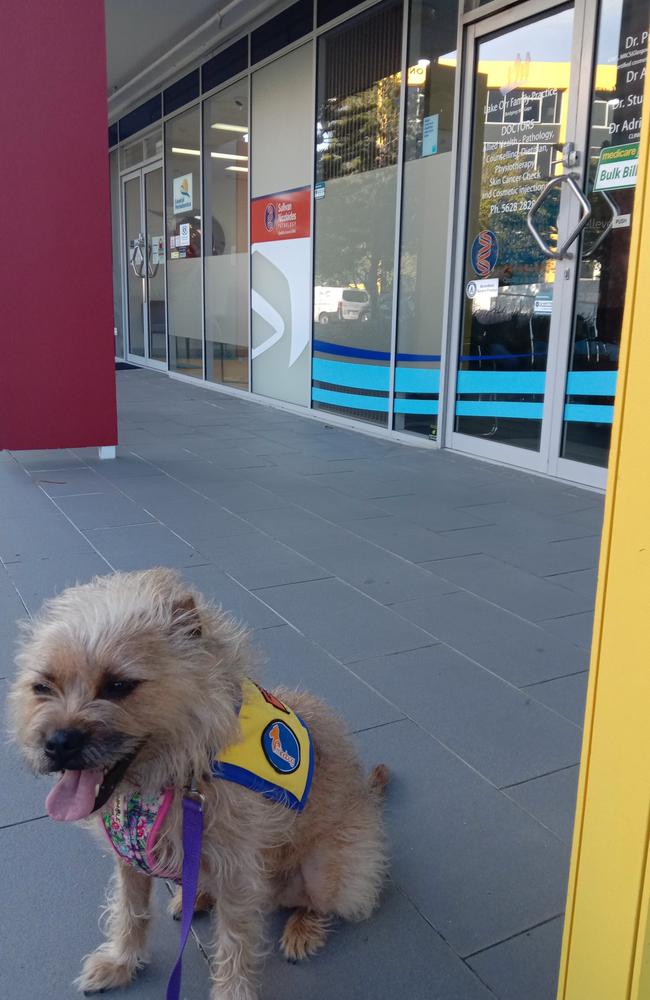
x,y
103,971
304,934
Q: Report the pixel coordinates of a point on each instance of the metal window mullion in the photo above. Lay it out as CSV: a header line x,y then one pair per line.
x,y
398,211
312,228
249,297
450,322
202,193
166,239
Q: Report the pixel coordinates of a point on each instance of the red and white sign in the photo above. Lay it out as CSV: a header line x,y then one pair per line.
x,y
283,216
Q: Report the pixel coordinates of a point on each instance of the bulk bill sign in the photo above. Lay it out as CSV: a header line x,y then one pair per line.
x,y
617,167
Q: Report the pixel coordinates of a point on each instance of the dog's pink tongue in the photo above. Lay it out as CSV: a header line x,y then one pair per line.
x,y
73,796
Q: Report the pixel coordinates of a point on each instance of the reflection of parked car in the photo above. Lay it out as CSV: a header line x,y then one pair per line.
x,y
340,303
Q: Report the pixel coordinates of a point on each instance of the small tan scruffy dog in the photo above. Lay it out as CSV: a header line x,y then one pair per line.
x,y
134,688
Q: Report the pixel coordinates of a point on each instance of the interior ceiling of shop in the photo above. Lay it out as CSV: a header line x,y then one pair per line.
x,y
150,41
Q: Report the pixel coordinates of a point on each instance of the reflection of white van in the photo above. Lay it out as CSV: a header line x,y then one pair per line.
x,y
340,303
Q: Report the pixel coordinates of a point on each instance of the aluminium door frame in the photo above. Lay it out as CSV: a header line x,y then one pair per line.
x,y
139,359
535,461
149,168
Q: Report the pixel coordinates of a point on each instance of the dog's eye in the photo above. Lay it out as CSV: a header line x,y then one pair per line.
x,y
115,690
42,689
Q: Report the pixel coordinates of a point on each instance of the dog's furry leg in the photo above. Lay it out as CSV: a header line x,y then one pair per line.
x,y
239,908
116,962
202,904
304,934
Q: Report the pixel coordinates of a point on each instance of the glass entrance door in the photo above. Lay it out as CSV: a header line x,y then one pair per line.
x,y
542,275
145,266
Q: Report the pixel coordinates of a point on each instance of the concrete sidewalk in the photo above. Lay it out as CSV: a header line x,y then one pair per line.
x,y
442,605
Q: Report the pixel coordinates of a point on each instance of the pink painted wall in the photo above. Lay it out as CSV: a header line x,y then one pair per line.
x,y
57,372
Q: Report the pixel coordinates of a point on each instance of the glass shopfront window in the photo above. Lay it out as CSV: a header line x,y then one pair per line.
x,y
183,199
425,211
614,133
225,176
357,141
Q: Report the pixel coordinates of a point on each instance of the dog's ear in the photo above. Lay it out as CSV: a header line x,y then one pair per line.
x,y
186,618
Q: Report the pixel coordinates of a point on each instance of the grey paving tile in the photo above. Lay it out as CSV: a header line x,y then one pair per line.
x,y
23,794
566,695
11,606
151,490
579,520
521,517
430,513
412,541
8,638
477,867
67,482
48,956
55,458
511,588
581,581
527,551
40,537
395,953
343,621
494,727
576,628
221,589
141,546
526,967
314,496
289,659
368,485
385,577
257,561
199,521
551,799
517,650
102,510
125,466
24,499
37,579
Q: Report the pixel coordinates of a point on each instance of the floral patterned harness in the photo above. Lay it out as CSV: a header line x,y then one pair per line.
x,y
274,757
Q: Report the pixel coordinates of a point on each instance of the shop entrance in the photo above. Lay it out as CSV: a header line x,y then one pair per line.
x,y
549,147
144,261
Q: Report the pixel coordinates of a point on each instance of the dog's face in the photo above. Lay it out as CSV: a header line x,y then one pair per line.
x,y
117,675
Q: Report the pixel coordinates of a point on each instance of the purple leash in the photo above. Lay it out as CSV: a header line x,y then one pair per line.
x,y
192,838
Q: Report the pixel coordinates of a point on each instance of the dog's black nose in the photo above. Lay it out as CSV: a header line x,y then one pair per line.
x,y
64,747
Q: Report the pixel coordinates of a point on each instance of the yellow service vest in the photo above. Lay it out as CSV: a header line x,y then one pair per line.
x,y
274,755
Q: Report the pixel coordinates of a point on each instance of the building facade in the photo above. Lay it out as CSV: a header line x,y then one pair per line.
x,y
410,215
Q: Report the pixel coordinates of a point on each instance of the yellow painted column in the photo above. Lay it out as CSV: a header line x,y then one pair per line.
x,y
606,948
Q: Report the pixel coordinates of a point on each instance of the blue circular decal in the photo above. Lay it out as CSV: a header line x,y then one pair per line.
x,y
485,250
281,747
269,216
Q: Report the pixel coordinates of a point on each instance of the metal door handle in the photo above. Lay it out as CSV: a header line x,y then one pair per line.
x,y
613,207
561,252
138,269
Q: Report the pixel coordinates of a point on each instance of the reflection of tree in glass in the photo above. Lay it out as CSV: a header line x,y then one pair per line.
x,y
357,146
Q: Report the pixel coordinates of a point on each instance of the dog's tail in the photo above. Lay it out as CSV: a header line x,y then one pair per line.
x,y
378,779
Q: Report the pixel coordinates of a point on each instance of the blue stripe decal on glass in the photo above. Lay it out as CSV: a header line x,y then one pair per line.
x,y
325,347
500,357
583,413
350,374
350,352
350,400
418,357
506,382
591,384
498,408
422,380
416,406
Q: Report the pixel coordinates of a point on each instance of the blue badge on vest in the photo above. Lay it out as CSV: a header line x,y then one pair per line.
x,y
281,747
